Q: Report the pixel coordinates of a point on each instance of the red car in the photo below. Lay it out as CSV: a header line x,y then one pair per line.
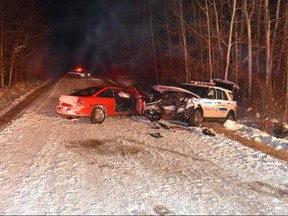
x,y
97,102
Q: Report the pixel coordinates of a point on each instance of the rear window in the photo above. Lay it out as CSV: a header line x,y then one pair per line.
x,y
87,92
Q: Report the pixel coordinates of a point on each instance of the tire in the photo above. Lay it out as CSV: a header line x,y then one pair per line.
x,y
98,115
195,118
230,116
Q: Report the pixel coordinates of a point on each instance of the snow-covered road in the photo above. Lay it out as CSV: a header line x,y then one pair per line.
x,y
52,165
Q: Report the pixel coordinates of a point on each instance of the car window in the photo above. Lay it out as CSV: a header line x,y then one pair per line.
x,y
221,95
224,95
198,90
211,94
218,94
87,92
107,93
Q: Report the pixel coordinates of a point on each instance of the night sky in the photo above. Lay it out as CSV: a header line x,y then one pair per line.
x,y
94,33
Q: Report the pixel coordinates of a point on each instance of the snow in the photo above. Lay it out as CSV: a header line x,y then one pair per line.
x,y
53,165
257,135
10,97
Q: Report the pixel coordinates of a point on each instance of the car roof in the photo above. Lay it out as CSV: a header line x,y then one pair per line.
x,y
109,86
205,85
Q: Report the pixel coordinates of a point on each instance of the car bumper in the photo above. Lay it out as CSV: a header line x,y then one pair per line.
x,y
69,111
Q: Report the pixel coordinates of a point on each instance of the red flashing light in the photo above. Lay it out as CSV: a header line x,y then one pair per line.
x,y
79,69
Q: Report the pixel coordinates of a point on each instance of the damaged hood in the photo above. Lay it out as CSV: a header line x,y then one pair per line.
x,y
162,88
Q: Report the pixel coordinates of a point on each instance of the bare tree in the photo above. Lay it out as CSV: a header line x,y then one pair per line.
x,y
21,40
209,40
184,41
286,104
218,33
249,36
274,36
259,23
286,68
1,45
168,36
153,44
268,43
230,40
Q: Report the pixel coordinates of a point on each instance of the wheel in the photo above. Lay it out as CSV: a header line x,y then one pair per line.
x,y
98,115
195,118
230,116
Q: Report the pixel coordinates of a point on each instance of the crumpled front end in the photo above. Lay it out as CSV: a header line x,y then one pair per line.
x,y
173,105
70,106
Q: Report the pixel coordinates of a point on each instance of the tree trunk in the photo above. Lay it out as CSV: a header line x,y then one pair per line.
x,y
184,42
249,36
274,37
13,53
236,53
286,68
286,110
218,33
168,38
268,45
153,44
209,41
230,40
259,28
1,45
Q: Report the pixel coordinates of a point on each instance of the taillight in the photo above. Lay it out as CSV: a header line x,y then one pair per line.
x,y
80,102
66,105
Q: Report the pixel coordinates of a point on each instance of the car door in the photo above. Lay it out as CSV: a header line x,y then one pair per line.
x,y
209,104
139,102
221,104
106,99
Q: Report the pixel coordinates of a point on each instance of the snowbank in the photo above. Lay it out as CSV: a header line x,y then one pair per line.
x,y
257,135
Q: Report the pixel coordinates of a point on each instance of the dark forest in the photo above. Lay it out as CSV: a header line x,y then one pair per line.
x,y
150,41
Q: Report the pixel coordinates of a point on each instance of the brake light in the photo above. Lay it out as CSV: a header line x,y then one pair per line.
x,y
80,102
65,105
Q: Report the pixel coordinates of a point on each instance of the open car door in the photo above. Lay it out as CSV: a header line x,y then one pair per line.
x,y
139,102
226,84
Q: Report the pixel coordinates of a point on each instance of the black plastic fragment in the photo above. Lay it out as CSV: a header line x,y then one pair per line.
x,y
156,135
207,132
